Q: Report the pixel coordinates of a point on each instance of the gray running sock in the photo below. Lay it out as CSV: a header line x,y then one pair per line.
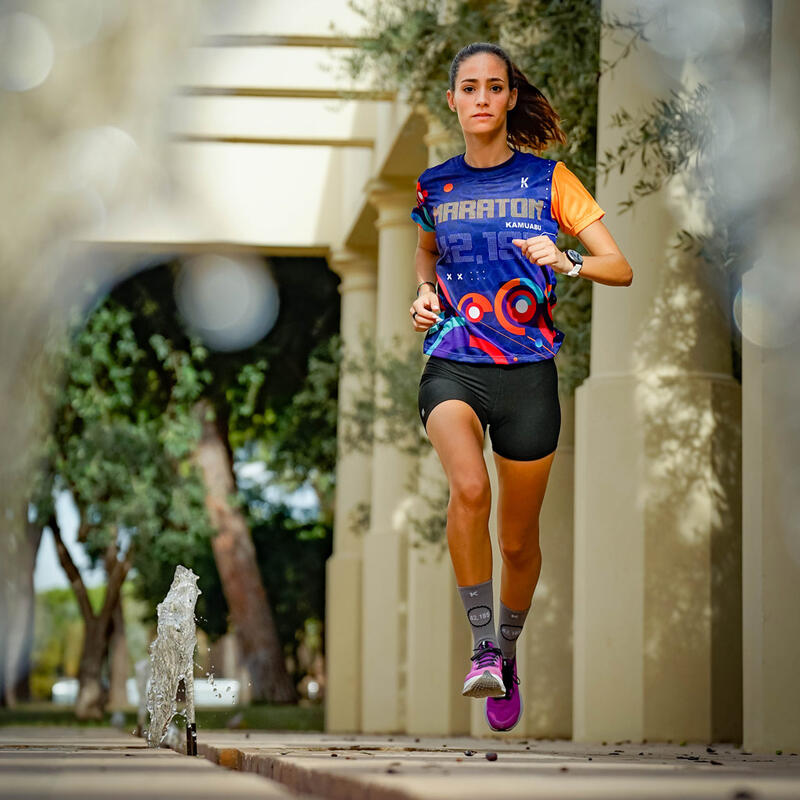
x,y
511,623
478,602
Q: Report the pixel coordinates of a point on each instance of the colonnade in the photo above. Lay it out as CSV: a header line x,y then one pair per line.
x,y
637,629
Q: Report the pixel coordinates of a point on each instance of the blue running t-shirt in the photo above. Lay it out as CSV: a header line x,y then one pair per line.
x,y
496,305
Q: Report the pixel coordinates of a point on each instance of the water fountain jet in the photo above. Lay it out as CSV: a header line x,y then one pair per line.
x,y
172,660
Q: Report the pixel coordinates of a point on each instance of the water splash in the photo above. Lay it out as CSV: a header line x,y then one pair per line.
x,y
172,657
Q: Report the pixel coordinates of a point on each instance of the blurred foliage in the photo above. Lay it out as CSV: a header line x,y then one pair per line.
x,y
291,555
58,634
301,447
123,437
676,136
409,45
125,433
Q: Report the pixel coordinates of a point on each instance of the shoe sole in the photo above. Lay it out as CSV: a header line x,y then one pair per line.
x,y
484,685
511,728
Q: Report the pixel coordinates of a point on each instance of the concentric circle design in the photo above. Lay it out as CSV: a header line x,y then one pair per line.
x,y
516,302
473,306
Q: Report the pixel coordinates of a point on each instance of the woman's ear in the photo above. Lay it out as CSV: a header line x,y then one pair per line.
x,y
450,101
512,99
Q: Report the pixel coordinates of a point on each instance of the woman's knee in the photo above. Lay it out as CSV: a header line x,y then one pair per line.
x,y
521,550
471,492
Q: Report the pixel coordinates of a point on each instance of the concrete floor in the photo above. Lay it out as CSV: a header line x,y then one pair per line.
x,y
73,762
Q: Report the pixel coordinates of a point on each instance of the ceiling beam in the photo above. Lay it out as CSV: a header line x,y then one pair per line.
x,y
270,140
272,40
301,94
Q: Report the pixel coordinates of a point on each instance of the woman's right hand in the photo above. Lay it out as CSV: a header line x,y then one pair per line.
x,y
425,310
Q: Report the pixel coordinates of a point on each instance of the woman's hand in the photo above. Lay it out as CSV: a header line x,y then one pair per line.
x,y
542,250
425,310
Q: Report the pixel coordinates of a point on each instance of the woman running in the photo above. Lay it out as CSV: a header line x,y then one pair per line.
x,y
486,261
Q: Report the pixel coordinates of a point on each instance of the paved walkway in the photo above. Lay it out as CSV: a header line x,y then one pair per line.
x,y
408,768
92,763
98,762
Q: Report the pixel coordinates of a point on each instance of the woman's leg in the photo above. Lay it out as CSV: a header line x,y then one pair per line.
x,y
456,434
521,488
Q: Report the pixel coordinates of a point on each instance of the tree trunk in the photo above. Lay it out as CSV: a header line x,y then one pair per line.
x,y
118,662
97,627
235,557
91,700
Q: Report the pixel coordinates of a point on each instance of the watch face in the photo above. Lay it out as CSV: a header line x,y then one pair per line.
x,y
574,256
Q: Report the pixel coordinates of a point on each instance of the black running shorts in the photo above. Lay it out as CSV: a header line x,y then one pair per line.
x,y
519,402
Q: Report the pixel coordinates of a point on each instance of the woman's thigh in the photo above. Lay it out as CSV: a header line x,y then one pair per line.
x,y
456,434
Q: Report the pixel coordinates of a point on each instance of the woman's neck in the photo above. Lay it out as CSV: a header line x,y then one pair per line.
x,y
487,152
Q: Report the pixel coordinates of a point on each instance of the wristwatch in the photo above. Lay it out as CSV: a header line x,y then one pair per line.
x,y
577,262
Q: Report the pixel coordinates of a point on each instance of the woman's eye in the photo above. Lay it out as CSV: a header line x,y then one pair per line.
x,y
497,88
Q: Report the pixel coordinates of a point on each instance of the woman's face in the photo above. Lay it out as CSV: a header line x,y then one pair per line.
x,y
481,96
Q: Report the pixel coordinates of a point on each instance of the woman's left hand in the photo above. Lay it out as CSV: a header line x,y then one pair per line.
x,y
542,250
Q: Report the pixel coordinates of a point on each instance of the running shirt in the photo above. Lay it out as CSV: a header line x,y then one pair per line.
x,y
496,305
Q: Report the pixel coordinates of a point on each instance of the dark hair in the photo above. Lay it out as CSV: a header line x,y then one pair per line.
x,y
532,122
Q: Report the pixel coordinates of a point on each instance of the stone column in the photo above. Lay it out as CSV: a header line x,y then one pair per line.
x,y
385,553
771,425
657,623
353,480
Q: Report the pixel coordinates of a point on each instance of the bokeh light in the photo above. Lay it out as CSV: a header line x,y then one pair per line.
x,y
26,52
231,303
680,28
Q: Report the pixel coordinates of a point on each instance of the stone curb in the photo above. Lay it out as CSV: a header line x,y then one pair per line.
x,y
304,776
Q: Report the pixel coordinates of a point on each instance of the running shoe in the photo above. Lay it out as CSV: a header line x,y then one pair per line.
x,y
503,713
485,679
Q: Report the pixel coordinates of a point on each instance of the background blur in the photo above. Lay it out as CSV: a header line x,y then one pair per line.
x,y
205,359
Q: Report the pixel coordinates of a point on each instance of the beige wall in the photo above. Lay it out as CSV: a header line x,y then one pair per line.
x,y
657,557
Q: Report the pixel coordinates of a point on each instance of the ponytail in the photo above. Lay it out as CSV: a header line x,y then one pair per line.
x,y
532,122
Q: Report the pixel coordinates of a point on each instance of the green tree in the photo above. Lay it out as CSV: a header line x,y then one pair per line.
x,y
239,406
125,459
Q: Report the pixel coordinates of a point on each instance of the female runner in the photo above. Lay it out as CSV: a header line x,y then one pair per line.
x,y
486,261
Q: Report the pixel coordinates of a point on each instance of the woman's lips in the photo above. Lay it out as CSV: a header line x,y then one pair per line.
x,y
482,116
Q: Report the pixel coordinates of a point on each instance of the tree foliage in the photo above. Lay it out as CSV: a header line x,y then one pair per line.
x,y
125,429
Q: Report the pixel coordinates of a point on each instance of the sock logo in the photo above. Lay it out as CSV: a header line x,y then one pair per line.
x,y
473,594
510,632
480,616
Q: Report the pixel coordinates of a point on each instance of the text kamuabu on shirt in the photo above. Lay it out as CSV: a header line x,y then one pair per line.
x,y
497,305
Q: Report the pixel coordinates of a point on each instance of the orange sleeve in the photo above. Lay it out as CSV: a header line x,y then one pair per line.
x,y
572,205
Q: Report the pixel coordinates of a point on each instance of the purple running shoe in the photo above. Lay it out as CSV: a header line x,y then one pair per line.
x,y
503,713
485,679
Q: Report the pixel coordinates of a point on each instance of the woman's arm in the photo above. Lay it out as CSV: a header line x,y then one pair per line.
x,y
426,305
606,264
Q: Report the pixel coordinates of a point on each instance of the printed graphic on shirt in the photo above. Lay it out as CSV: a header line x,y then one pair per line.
x,y
496,305
420,214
